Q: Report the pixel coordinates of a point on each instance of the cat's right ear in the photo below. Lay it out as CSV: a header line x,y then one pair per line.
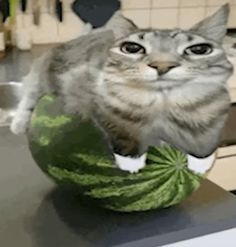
x,y
120,25
215,26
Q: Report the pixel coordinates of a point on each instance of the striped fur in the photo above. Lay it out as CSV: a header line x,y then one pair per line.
x,y
134,103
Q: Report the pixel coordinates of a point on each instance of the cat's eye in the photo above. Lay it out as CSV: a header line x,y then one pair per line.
x,y
132,48
199,49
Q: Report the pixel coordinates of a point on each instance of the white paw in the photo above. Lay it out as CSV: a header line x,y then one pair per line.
x,y
201,165
129,164
18,127
19,124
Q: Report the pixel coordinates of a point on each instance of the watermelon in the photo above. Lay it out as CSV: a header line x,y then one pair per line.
x,y
75,154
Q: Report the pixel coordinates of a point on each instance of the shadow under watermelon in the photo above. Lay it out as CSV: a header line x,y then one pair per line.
x,y
63,220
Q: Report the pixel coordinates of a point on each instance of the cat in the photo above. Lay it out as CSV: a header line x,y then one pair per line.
x,y
141,86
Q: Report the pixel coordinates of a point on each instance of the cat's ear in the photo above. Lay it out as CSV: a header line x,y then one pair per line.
x,y
120,25
214,26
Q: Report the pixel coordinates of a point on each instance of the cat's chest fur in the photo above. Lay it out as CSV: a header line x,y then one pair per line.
x,y
131,103
127,112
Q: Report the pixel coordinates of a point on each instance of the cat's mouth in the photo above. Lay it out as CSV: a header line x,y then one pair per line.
x,y
164,77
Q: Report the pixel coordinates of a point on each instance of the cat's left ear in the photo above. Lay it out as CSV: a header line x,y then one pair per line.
x,y
214,26
120,25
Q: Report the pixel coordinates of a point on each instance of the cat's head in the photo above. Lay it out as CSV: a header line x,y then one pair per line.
x,y
165,58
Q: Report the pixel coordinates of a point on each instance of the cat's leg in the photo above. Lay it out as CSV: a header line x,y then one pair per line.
x,y
130,164
21,119
30,96
128,154
201,165
35,84
134,164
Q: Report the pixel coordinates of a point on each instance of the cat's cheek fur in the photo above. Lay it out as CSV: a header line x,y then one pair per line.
x,y
147,73
132,165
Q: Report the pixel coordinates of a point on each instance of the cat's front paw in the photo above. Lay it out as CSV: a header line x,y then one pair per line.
x,y
19,126
199,165
132,165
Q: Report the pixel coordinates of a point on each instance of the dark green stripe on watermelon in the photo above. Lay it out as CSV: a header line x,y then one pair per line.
x,y
75,153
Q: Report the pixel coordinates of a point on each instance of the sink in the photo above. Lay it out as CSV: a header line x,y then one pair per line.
x,y
10,94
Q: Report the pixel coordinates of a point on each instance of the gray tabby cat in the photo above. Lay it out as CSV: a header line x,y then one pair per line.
x,y
142,87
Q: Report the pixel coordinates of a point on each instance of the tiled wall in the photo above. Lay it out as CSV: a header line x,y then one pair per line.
x,y
145,13
174,13
50,29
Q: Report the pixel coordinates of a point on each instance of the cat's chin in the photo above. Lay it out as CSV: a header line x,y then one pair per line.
x,y
163,83
170,81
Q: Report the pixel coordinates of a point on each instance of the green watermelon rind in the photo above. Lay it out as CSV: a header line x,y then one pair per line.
x,y
61,146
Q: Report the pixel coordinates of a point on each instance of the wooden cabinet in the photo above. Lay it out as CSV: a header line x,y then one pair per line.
x,y
224,170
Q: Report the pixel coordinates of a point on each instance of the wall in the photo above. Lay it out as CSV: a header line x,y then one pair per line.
x,y
172,13
146,13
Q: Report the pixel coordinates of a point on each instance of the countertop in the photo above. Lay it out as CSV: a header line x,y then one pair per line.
x,y
36,213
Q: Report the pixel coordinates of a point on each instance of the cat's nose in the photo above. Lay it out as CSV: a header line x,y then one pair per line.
x,y
163,67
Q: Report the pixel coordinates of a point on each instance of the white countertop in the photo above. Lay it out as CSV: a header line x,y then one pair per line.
x,y
220,239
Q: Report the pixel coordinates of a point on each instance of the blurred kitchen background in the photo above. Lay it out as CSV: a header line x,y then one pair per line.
x,y
45,25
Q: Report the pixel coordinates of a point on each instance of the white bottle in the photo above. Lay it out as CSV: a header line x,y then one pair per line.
x,y
23,39
2,41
